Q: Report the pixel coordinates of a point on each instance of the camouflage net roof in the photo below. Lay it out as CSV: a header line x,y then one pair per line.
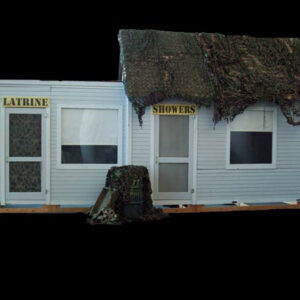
x,y
228,72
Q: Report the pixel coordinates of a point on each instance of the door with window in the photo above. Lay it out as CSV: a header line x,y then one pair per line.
x,y
173,157
25,154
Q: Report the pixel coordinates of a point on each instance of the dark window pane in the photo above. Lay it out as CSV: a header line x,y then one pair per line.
x,y
25,135
24,176
89,154
250,147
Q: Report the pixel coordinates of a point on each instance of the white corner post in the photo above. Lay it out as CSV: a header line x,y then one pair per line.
x,y
48,149
2,155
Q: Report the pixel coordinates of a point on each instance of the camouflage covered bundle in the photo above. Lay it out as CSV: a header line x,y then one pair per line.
x,y
108,216
103,210
228,72
133,188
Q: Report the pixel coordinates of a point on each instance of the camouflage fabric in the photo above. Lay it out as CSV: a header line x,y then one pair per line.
x,y
24,176
102,211
108,216
124,179
25,135
228,72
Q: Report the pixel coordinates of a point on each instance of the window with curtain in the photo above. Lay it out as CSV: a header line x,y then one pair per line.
x,y
89,136
251,138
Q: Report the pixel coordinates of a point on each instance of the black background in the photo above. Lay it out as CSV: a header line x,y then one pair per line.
x,y
80,43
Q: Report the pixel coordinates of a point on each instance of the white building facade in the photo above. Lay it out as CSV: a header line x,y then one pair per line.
x,y
58,152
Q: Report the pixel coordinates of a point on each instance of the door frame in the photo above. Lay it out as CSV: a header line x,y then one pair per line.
x,y
45,113
193,163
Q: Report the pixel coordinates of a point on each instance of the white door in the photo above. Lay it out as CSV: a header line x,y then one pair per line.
x,y
25,155
173,158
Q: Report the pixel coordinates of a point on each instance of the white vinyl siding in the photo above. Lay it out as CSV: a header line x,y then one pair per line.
x,y
141,139
215,183
70,187
73,186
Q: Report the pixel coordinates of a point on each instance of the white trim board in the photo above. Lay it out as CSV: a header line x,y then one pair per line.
x,y
195,156
172,202
251,201
129,131
48,155
86,84
2,156
152,151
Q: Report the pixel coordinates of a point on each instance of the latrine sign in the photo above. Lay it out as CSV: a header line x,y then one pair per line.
x,y
30,102
174,109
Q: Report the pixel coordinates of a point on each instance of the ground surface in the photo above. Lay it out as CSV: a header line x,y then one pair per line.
x,y
267,222
207,244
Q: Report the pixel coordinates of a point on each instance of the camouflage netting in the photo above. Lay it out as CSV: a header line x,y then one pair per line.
x,y
228,72
123,179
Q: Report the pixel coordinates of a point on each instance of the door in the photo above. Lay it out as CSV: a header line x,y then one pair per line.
x,y
25,155
173,157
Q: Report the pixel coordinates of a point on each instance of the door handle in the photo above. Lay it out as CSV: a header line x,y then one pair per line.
x,y
7,159
156,159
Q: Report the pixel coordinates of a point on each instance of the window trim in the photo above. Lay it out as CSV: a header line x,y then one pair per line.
x,y
59,164
274,143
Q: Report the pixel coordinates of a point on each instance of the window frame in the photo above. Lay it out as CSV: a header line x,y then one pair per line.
x,y
60,165
274,143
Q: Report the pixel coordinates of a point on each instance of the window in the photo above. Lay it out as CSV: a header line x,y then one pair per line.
x,y
251,139
89,137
